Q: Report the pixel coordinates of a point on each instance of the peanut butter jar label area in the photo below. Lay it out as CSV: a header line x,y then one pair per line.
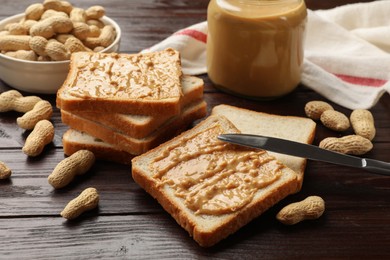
x,y
213,177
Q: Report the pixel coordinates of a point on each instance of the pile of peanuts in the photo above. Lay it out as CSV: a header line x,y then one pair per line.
x,y
37,113
359,143
52,30
361,121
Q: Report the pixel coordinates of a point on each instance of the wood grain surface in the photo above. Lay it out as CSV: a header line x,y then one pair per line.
x,y
129,224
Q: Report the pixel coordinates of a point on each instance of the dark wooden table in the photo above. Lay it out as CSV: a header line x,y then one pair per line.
x,y
130,224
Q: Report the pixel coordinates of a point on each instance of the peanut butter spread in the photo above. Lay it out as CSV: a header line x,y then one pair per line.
x,y
255,47
151,76
213,177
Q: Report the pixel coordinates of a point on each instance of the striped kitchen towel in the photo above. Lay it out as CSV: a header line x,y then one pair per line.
x,y
347,52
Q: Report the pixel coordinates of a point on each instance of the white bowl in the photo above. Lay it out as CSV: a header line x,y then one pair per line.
x,y
44,77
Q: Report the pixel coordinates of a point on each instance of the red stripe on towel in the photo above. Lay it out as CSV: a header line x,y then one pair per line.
x,y
197,35
362,81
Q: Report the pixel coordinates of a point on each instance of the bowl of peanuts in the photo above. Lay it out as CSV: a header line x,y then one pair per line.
x,y
35,46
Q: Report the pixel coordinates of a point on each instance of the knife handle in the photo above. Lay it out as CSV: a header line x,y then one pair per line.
x,y
376,166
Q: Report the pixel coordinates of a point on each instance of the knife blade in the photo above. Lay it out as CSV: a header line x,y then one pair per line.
x,y
307,151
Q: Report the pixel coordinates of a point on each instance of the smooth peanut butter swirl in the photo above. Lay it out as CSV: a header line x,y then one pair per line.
x,y
214,177
151,76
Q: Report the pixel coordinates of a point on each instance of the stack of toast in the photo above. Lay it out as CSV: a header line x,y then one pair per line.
x,y
130,102
197,179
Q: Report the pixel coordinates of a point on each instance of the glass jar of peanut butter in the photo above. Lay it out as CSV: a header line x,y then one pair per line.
x,y
255,47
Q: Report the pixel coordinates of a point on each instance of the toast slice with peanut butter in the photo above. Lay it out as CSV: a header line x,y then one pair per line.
x,y
143,83
212,188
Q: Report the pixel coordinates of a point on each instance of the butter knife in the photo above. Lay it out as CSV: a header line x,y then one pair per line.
x,y
306,151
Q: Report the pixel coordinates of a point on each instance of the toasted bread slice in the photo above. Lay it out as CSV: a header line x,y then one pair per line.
x,y
212,188
140,126
298,129
145,84
133,145
74,140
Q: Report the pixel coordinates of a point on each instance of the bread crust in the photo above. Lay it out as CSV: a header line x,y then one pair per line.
x,y
168,106
227,223
130,144
101,151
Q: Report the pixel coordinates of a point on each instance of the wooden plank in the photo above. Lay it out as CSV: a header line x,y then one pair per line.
x,y
157,235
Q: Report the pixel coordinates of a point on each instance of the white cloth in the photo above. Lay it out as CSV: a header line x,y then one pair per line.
x,y
347,52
